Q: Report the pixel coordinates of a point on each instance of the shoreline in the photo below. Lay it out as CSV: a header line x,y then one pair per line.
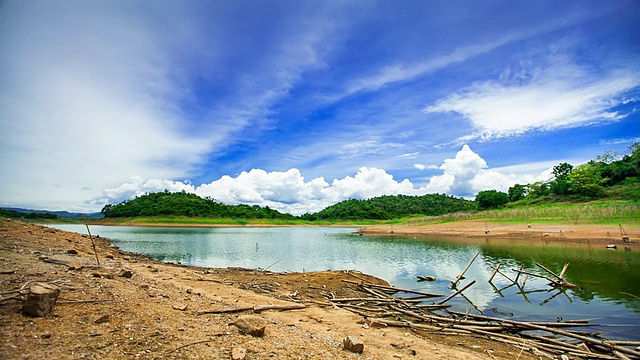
x,y
131,306
476,230
472,230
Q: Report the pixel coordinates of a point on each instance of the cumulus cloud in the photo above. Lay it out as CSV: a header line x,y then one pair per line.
x,y
559,96
467,174
464,175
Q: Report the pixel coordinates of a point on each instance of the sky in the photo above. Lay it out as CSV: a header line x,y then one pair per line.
x,y
298,105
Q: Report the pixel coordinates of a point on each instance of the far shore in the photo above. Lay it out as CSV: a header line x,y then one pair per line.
x,y
590,234
472,230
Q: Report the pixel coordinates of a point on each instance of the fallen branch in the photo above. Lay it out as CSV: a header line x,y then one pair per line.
x,y
461,276
456,293
396,289
255,308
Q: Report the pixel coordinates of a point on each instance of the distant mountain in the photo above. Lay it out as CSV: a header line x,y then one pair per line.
x,y
61,214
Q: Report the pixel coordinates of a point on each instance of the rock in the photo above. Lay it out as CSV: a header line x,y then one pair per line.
x,y
72,252
46,335
353,344
125,273
102,319
238,353
41,299
251,325
181,307
42,257
109,256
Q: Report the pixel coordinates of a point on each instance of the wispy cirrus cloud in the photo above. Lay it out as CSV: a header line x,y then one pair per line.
x,y
556,97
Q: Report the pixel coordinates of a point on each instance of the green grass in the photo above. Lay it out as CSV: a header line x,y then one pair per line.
x,y
597,212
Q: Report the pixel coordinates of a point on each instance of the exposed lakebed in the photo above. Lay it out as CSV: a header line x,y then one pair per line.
x,y
608,280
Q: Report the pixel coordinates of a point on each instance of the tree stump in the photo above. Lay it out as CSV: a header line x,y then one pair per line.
x,y
41,299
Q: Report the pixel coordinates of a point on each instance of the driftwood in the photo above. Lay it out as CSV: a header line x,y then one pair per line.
x,y
379,308
392,288
461,276
561,282
457,292
255,308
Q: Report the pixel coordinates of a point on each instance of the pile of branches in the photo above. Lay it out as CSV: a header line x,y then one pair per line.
x,y
383,307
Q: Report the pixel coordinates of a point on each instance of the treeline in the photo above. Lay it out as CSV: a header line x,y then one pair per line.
x,y
611,175
184,204
392,207
26,215
380,208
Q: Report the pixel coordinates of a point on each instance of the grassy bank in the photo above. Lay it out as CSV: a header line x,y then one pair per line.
x,y
597,212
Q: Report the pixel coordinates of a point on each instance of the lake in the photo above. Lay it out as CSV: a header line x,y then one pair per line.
x,y
609,280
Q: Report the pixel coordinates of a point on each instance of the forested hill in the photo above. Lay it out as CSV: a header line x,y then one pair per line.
x,y
392,207
185,204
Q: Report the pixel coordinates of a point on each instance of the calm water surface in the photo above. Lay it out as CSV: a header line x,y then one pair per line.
x,y
609,280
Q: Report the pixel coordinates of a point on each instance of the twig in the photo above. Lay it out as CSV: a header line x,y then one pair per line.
x,y
195,343
93,244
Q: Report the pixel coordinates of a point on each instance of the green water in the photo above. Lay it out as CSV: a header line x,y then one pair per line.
x,y
609,280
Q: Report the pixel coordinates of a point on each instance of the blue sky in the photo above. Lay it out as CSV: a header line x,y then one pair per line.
x,y
300,104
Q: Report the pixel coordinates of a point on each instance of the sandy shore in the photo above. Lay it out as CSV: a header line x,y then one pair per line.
x,y
155,313
587,235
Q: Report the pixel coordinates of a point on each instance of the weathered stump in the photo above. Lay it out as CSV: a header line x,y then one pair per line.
x,y
353,344
41,299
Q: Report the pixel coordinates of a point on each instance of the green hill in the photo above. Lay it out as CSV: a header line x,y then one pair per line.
x,y
392,207
184,204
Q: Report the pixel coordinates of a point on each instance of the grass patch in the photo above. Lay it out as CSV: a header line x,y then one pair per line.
x,y
597,212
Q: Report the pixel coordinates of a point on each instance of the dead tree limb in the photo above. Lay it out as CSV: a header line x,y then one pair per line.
x,y
456,293
461,276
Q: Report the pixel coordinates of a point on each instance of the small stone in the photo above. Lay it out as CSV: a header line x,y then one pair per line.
x,y
96,274
251,325
238,353
126,273
42,257
109,256
144,286
181,307
72,252
102,319
46,335
353,344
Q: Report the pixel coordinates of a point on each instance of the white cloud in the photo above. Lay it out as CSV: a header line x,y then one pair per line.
x,y
137,186
468,173
464,175
560,96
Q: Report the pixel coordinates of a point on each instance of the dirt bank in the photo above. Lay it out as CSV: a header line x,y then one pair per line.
x,y
102,313
589,235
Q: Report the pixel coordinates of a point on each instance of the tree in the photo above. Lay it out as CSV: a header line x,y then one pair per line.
x,y
560,185
491,199
586,180
517,192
